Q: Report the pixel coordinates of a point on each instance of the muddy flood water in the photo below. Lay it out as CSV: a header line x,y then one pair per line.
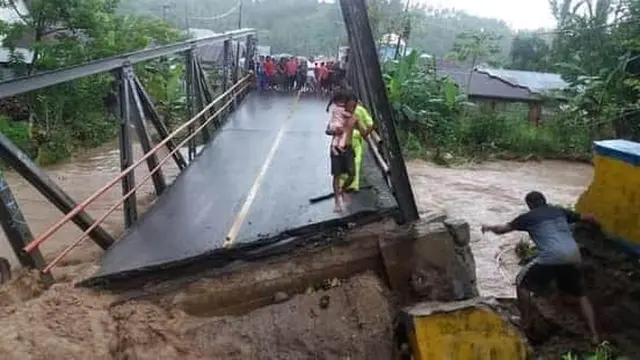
x,y
494,192
70,323
488,192
80,178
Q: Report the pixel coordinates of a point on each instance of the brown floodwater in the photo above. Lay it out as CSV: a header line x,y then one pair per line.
x,y
494,192
80,177
489,192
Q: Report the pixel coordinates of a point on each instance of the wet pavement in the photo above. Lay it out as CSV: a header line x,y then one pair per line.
x,y
253,182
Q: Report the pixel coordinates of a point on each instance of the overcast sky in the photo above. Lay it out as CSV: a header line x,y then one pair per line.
x,y
519,14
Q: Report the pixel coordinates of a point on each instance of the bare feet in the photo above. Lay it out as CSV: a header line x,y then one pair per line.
x,y
346,199
338,206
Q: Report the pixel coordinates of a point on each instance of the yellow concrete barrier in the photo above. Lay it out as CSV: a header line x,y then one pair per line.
x,y
467,330
614,193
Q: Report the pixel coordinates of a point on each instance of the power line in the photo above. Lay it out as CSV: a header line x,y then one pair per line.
x,y
221,16
569,31
558,31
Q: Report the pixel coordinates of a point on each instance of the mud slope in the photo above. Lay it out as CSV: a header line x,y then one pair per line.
x,y
352,320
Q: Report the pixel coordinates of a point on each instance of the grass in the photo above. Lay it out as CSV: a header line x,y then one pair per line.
x,y
604,351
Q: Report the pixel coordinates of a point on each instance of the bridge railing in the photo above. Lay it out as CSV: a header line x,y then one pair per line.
x,y
211,112
365,76
135,110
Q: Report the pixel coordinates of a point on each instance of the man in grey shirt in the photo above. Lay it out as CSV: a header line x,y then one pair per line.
x,y
559,257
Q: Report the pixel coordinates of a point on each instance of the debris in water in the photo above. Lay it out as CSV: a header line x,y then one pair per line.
x,y
324,301
5,271
280,297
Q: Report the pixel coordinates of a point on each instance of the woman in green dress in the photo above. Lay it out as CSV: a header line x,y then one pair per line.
x,y
358,143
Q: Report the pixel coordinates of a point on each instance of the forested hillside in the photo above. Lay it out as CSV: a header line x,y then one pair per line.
x,y
312,27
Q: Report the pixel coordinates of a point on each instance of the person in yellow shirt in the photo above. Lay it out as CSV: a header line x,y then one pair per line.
x,y
357,141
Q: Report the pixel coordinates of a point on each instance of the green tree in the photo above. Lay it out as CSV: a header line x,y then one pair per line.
x,y
66,33
599,61
473,48
309,27
529,52
583,34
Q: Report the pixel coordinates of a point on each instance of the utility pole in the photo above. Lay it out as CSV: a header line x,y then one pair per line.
x,y
186,16
401,33
165,7
371,84
238,43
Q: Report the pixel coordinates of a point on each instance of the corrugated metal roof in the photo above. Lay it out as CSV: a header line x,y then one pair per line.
x,y
5,55
536,82
490,83
485,86
213,53
9,15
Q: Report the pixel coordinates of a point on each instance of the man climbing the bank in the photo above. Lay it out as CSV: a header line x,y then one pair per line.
x,y
559,256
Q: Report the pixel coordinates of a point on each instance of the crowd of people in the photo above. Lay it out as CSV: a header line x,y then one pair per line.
x,y
297,73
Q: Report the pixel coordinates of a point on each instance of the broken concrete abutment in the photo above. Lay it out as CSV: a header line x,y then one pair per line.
x,y
427,260
377,291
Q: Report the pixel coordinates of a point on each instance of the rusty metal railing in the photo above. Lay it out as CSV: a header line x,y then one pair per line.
x,y
231,94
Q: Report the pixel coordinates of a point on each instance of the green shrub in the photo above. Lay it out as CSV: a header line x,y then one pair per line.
x,y
432,113
18,132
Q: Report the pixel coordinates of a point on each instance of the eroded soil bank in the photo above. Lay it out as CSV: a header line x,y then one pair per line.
x,y
351,320
612,280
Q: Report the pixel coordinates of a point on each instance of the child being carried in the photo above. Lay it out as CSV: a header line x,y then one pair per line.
x,y
340,128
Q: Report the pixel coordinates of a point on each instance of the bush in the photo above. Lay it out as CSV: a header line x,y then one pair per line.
x,y
17,132
431,113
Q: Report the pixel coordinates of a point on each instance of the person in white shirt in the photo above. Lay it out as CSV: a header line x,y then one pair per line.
x,y
311,77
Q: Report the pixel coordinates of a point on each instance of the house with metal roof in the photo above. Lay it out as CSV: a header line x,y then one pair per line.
x,y
213,53
497,86
539,83
9,15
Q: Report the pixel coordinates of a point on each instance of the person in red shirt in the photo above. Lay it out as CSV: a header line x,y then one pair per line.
x,y
292,71
269,70
323,77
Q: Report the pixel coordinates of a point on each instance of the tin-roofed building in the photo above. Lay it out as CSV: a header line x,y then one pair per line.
x,y
504,86
214,53
23,47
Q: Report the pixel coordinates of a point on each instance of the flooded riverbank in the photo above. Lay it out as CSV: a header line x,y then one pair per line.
x,y
479,193
494,192
79,322
80,177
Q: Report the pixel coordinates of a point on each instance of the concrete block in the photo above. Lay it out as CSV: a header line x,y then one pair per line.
x,y
432,216
614,193
472,329
422,260
435,248
460,231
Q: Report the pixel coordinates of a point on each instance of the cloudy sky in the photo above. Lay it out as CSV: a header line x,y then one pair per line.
x,y
519,14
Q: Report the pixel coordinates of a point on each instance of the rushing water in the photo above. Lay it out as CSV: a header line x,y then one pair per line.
x,y
494,193
80,178
490,192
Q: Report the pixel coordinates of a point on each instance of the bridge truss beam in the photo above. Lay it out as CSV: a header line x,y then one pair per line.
x,y
372,90
39,81
134,108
